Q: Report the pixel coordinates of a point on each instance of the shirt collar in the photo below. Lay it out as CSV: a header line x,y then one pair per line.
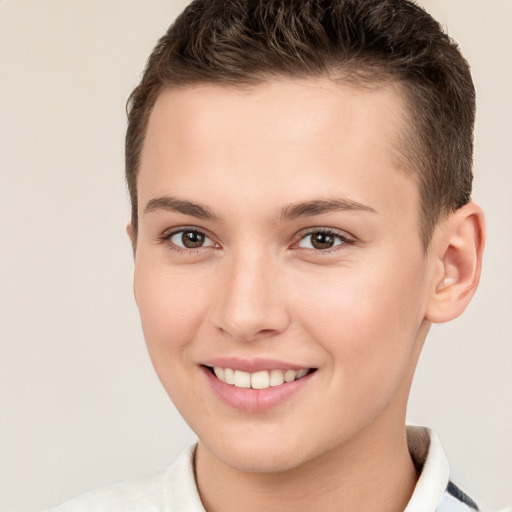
x,y
428,455
424,446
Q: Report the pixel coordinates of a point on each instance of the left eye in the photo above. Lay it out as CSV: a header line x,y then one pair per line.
x,y
190,239
321,240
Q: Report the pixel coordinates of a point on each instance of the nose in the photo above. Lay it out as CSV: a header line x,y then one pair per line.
x,y
251,304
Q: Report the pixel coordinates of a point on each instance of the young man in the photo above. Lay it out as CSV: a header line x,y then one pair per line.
x,y
300,176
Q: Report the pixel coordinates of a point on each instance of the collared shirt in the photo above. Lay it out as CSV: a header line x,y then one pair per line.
x,y
434,492
174,489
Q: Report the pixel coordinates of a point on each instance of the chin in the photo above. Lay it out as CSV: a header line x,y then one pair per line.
x,y
259,459
259,454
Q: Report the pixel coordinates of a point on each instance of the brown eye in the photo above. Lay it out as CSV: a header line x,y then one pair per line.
x,y
321,240
190,239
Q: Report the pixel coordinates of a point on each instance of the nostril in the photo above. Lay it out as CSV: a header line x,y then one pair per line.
x,y
266,332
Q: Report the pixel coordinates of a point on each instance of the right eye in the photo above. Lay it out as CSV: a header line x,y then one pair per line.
x,y
189,239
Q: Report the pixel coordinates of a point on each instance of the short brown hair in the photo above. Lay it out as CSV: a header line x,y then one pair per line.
x,y
241,42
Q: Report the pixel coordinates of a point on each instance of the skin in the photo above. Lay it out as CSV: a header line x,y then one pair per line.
x,y
258,288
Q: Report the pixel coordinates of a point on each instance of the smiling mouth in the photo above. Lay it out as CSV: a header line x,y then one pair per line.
x,y
258,380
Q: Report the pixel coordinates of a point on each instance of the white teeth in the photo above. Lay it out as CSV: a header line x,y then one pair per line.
x,y
260,380
289,375
229,376
276,377
242,379
257,380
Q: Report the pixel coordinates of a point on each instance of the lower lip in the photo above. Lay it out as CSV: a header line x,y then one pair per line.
x,y
255,400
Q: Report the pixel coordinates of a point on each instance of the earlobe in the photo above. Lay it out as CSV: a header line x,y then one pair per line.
x,y
458,249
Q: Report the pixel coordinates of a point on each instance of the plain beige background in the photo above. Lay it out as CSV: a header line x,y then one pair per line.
x,y
79,403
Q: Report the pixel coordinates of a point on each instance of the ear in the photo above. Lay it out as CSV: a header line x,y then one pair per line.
x,y
457,249
132,236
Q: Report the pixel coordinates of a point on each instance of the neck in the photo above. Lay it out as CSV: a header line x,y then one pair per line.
x,y
371,472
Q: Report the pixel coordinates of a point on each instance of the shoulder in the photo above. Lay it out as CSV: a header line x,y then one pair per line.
x,y
170,489
134,494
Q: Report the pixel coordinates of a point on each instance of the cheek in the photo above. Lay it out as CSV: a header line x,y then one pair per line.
x,y
367,323
171,306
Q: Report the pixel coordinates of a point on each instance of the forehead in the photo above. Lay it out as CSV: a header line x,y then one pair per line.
x,y
281,137
299,108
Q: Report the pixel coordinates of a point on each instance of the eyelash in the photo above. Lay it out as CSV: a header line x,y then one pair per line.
x,y
166,239
344,239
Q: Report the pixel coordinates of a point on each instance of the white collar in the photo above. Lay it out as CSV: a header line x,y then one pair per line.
x,y
424,446
428,454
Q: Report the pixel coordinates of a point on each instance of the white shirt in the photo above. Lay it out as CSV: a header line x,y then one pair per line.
x,y
174,489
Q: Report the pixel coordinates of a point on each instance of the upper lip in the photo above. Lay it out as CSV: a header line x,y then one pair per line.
x,y
252,365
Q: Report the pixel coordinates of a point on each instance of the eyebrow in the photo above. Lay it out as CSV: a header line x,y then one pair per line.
x,y
174,204
290,212
321,206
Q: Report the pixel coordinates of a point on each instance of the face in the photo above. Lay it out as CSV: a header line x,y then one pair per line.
x,y
279,271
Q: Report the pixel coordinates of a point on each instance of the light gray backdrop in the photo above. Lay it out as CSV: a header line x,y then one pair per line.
x,y
80,405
